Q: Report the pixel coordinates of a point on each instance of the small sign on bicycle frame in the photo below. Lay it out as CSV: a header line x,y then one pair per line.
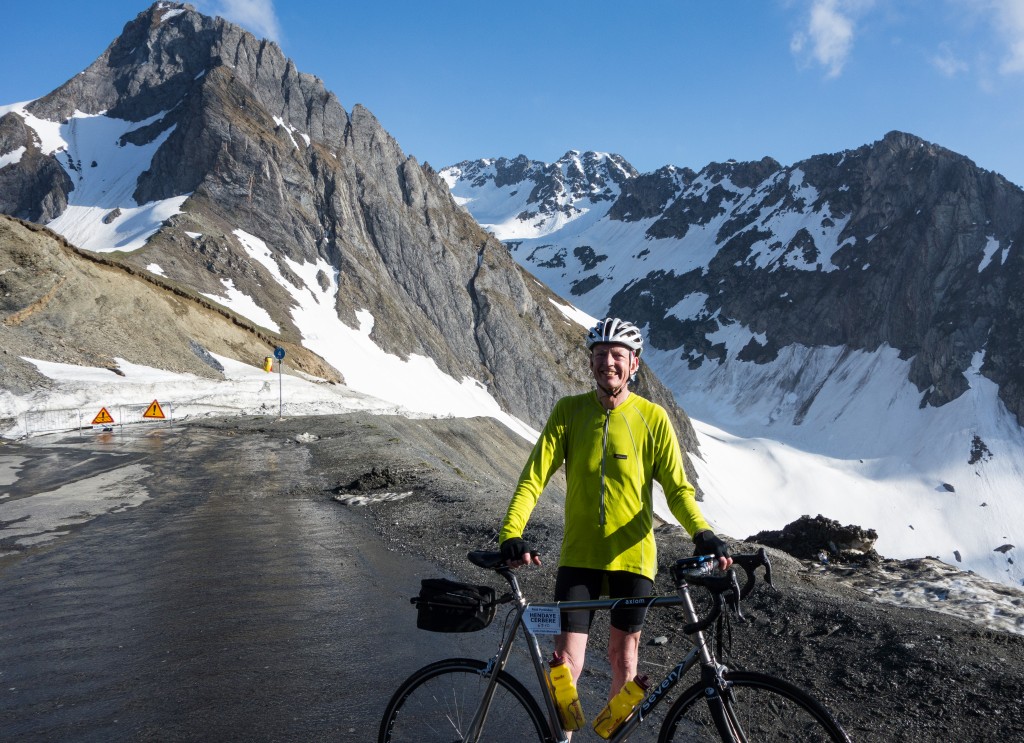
x,y
543,620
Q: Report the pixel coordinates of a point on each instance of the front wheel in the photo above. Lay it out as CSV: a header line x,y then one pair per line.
x,y
437,704
758,709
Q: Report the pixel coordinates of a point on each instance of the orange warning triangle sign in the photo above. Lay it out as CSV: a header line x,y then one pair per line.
x,y
154,411
102,417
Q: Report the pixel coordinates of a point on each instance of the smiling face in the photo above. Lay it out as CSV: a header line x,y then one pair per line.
x,y
612,365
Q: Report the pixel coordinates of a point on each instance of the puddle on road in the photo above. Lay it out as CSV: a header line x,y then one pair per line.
x,y
45,516
9,466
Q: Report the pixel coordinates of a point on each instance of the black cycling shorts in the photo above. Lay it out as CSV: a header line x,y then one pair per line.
x,y
588,584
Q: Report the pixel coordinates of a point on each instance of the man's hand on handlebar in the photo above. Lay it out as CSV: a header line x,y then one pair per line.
x,y
708,543
516,552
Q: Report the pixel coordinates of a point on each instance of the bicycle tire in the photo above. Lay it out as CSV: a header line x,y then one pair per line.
x,y
437,703
767,709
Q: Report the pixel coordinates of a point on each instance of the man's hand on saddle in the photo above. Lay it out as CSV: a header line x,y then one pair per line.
x,y
516,553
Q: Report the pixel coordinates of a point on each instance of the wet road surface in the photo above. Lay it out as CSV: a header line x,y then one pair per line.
x,y
222,597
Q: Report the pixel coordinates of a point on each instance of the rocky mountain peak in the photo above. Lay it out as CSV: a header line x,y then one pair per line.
x,y
165,53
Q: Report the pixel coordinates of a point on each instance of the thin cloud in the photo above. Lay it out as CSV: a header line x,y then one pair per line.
x,y
1009,16
256,16
947,62
829,33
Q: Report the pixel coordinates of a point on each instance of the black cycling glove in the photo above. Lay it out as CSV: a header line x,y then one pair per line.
x,y
513,549
707,543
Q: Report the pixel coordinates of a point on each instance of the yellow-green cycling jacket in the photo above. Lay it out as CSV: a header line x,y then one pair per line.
x,y
611,459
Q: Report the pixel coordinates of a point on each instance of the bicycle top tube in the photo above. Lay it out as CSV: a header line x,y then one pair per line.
x,y
609,603
699,570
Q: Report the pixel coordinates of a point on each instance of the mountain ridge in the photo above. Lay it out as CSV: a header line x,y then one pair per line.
x,y
957,197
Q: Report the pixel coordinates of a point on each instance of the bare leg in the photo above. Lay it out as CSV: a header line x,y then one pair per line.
x,y
573,646
623,652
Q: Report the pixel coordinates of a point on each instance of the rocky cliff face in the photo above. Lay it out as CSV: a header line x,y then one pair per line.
x,y
899,243
253,148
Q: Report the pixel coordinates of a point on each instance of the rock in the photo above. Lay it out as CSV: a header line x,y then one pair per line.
x,y
809,539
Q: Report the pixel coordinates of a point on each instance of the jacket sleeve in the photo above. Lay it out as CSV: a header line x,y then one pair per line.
x,y
545,459
670,472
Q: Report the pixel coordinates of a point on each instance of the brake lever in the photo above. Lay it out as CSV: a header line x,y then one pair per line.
x,y
734,597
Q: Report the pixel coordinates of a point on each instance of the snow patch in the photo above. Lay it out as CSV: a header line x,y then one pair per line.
x,y
13,157
841,433
990,251
575,314
292,131
240,302
102,214
416,384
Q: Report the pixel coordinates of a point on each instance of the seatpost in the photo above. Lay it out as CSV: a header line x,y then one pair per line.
x,y
509,575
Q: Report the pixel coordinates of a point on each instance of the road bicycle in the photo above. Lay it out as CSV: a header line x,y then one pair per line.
x,y
463,699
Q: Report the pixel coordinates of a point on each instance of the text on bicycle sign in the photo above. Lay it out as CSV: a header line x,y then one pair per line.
x,y
543,620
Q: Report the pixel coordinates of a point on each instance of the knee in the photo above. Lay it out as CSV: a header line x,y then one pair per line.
x,y
623,650
623,659
572,647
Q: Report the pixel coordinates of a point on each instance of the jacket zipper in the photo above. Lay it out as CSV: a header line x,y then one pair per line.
x,y
604,454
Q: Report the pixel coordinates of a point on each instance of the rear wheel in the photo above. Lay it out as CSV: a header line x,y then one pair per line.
x,y
758,709
437,704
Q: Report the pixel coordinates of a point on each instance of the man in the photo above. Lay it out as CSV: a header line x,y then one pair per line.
x,y
614,445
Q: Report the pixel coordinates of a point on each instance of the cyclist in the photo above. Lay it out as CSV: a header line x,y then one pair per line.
x,y
614,444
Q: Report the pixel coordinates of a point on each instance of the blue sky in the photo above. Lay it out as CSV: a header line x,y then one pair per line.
x,y
659,82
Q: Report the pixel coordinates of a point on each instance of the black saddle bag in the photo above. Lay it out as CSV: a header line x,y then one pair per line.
x,y
449,606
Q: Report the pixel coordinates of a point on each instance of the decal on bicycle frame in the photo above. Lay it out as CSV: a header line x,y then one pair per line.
x,y
543,620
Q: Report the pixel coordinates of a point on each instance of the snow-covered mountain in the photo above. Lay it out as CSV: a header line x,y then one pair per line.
x,y
843,331
193,153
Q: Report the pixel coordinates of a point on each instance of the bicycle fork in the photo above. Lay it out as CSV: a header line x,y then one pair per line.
x,y
719,697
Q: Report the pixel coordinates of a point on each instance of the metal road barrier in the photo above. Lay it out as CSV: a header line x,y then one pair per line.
x,y
41,421
49,421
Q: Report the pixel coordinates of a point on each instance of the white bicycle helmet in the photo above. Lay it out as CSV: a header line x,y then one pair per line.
x,y
614,330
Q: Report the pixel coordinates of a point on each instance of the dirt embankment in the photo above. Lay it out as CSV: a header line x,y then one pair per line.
x,y
62,304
